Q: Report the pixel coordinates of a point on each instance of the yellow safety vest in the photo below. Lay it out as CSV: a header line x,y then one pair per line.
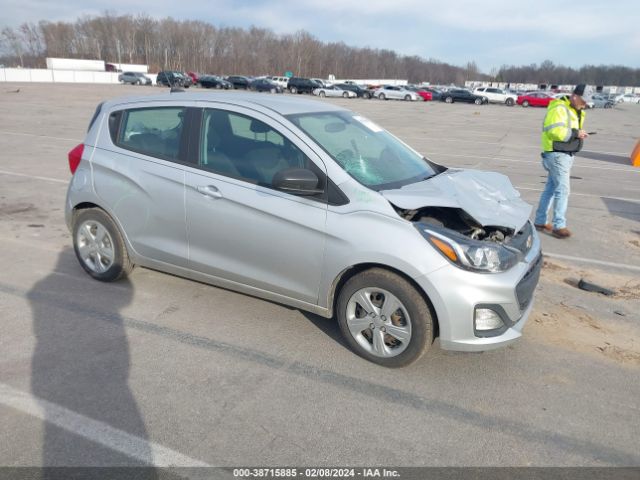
x,y
560,127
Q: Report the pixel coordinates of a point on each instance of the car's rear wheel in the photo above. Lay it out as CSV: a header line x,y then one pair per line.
x,y
322,94
384,318
407,98
525,103
478,101
448,99
99,246
509,102
366,95
293,90
382,96
345,95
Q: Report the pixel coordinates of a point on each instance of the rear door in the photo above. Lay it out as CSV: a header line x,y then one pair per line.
x,y
240,228
139,175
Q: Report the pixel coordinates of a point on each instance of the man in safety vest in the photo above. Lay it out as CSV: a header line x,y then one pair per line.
x,y
562,137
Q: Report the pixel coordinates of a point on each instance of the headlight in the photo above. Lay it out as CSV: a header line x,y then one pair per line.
x,y
470,254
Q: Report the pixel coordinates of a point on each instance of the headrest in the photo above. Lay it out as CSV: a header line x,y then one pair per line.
x,y
259,127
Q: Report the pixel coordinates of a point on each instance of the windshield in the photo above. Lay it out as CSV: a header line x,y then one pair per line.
x,y
368,153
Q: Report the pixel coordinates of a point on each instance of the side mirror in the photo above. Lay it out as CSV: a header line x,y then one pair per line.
x,y
297,181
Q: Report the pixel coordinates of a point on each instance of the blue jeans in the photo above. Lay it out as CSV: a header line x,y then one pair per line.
x,y
558,166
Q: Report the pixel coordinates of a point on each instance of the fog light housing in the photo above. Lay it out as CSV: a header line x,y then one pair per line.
x,y
487,322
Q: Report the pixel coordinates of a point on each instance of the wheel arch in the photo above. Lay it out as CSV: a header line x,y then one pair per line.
x,y
350,272
79,207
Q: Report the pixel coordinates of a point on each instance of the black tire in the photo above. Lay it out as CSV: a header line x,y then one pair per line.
x,y
478,101
448,99
525,103
382,96
322,94
419,313
407,98
345,95
509,102
121,264
366,95
293,90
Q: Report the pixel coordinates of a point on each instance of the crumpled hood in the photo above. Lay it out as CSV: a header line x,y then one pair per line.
x,y
488,197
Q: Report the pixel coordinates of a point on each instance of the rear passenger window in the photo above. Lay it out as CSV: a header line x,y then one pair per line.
x,y
153,131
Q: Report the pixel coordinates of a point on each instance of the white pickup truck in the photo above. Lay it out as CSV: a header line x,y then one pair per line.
x,y
496,95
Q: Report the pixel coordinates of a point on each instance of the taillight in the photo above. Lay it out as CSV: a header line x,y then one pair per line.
x,y
75,156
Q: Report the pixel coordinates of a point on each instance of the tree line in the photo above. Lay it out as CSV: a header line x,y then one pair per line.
x,y
202,47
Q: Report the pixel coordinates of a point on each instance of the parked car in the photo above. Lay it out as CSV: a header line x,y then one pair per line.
x,y
134,78
360,92
265,85
301,85
393,92
239,81
321,83
282,81
309,205
186,79
535,99
497,95
170,78
615,97
631,98
194,76
424,94
334,91
436,94
462,95
601,101
214,81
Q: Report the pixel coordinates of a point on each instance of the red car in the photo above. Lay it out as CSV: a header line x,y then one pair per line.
x,y
194,76
534,99
424,94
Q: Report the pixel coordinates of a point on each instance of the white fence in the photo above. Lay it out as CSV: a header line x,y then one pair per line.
x,y
41,75
55,76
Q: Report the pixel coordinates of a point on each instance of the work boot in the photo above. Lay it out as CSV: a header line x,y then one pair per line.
x,y
561,233
544,228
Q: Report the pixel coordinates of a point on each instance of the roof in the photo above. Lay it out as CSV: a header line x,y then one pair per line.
x,y
280,103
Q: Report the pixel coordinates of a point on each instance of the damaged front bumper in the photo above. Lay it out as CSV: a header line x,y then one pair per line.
x,y
460,298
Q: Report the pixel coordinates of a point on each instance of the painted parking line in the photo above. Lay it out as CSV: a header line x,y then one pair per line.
x,y
593,261
630,169
24,134
622,199
132,446
35,177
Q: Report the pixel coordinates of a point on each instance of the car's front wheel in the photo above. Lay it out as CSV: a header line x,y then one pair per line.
x,y
478,101
407,98
345,95
99,246
382,96
509,102
448,100
293,90
384,318
525,103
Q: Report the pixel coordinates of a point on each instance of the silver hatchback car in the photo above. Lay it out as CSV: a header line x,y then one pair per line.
x,y
310,205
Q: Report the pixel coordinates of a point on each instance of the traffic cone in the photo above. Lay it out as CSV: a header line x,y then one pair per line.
x,y
635,155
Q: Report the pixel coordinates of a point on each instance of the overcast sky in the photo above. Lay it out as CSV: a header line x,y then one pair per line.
x,y
489,32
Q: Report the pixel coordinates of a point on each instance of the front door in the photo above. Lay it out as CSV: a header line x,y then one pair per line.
x,y
242,229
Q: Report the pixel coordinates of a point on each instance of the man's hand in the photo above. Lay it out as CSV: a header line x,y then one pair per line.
x,y
582,134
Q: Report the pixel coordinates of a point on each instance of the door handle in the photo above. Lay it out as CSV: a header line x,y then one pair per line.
x,y
209,191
